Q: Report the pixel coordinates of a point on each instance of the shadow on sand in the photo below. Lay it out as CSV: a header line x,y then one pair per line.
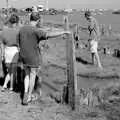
x,y
97,76
79,59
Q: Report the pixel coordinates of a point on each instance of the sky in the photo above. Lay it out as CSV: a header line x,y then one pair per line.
x,y
107,4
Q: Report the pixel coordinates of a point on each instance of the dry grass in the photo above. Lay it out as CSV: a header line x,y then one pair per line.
x,y
111,101
89,76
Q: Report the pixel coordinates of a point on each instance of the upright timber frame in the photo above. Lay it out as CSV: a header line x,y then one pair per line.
x,y
71,68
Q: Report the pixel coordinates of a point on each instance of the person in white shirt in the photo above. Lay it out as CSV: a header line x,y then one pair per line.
x,y
94,37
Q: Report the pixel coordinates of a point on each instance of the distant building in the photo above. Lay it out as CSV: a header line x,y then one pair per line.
x,y
38,8
40,5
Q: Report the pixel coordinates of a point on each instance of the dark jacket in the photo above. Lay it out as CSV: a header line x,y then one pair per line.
x,y
28,39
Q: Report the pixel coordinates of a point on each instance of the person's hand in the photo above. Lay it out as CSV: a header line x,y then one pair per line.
x,y
67,32
89,40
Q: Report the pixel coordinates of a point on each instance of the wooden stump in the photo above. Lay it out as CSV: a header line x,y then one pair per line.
x,y
116,53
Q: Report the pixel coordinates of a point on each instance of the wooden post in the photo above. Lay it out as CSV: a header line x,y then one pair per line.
x,y
76,36
71,69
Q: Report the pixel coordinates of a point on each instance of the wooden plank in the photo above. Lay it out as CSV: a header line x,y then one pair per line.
x,y
71,69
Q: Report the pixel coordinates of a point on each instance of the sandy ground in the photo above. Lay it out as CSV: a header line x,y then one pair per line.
x,y
44,109
54,77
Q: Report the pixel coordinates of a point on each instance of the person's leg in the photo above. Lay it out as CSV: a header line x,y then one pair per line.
x,y
7,79
26,85
93,58
98,60
40,85
26,80
11,81
32,82
92,49
12,67
37,88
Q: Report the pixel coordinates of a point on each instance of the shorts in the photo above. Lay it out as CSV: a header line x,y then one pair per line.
x,y
11,54
11,68
93,46
30,69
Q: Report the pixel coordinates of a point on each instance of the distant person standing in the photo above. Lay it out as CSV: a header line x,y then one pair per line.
x,y
110,29
94,37
28,38
103,30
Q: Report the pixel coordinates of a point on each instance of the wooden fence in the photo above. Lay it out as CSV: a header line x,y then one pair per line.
x,y
71,69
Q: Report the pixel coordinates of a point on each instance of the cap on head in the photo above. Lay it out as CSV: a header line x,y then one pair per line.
x,y
87,13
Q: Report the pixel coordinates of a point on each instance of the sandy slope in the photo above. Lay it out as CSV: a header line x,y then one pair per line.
x,y
54,77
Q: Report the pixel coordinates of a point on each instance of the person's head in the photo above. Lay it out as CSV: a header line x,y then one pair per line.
x,y
14,19
34,18
87,15
40,22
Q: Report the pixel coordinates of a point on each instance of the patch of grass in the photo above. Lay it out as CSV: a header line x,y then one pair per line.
x,y
111,101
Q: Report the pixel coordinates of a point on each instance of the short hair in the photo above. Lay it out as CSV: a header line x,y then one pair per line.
x,y
87,13
34,17
14,19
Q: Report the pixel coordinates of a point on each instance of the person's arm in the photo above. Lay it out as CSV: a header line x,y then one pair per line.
x,y
2,46
18,41
54,34
2,50
43,35
82,28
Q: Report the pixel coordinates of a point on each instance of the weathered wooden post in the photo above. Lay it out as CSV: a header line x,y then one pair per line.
x,y
71,68
76,36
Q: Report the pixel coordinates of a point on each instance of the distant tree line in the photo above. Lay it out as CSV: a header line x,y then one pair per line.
x,y
51,11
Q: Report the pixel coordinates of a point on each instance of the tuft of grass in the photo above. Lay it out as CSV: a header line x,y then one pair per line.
x,y
111,101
